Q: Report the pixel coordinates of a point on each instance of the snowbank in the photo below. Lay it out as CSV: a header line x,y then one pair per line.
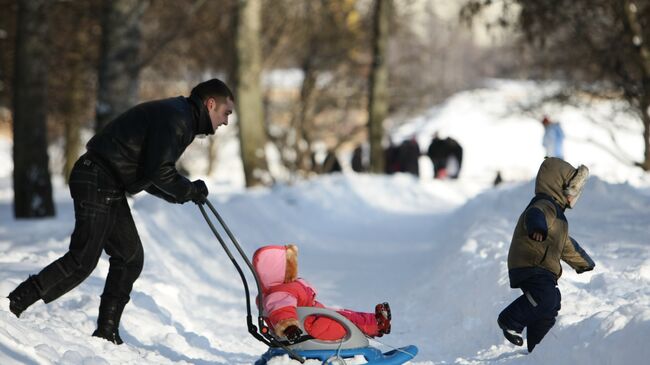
x,y
436,250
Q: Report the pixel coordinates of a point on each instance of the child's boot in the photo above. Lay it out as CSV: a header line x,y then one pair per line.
x,y
383,316
511,335
537,330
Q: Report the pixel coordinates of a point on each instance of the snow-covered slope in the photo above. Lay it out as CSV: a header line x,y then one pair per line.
x,y
436,250
466,283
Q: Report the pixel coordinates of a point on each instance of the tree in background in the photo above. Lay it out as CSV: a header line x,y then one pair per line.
x,y
185,42
119,65
326,42
378,84
7,48
73,54
165,47
600,47
31,177
432,56
248,92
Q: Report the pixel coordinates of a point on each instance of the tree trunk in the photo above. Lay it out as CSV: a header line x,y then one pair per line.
x,y
252,134
631,17
31,177
301,123
212,156
119,68
75,97
645,118
4,98
73,107
378,84
646,137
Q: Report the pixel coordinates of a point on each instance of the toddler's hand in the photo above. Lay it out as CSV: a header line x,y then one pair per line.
x,y
293,333
537,236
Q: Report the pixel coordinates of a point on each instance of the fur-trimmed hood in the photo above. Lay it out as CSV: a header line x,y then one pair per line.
x,y
276,265
558,179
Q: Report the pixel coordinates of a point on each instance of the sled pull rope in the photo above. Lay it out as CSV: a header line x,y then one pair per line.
x,y
394,348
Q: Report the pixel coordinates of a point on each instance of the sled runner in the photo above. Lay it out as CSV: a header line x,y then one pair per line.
x,y
353,345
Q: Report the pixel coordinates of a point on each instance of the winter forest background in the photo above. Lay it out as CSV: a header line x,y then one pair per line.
x,y
68,67
315,79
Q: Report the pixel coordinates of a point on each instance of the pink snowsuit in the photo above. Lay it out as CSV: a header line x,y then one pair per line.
x,y
283,294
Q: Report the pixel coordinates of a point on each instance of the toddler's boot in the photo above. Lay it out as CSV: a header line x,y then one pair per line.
x,y
511,335
383,316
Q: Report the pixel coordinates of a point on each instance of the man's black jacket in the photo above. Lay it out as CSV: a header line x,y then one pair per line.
x,y
142,145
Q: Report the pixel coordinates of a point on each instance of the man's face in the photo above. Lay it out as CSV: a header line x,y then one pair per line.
x,y
219,110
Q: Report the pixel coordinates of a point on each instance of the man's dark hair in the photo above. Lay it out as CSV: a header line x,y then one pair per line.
x,y
211,89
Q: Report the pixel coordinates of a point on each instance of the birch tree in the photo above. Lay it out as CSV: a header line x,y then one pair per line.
x,y
252,134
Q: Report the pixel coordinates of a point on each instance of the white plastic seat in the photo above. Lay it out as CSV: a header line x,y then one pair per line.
x,y
353,338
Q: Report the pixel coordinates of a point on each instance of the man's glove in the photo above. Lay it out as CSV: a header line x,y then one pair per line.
x,y
293,333
199,192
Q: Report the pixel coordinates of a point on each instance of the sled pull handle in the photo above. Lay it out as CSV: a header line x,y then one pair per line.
x,y
266,338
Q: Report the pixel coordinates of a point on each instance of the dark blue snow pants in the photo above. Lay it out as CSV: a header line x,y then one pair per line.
x,y
103,222
536,309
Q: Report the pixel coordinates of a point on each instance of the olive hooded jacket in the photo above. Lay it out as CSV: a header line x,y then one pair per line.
x,y
556,180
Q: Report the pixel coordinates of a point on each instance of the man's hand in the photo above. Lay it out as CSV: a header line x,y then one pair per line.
x,y
293,333
199,192
537,236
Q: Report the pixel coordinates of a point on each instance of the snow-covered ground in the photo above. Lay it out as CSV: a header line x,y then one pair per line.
x,y
436,250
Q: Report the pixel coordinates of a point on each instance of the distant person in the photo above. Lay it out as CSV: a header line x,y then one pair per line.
x,y
392,160
498,179
331,163
328,165
553,140
454,157
359,161
409,155
136,151
540,240
438,155
446,156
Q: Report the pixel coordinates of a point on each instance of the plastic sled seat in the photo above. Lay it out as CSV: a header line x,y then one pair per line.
x,y
352,346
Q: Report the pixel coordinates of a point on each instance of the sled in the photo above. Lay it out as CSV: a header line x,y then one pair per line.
x,y
352,346
371,355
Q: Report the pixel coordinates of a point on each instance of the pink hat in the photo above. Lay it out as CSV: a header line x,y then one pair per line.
x,y
270,263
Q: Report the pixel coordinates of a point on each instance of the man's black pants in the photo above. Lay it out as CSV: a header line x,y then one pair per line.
x,y
103,222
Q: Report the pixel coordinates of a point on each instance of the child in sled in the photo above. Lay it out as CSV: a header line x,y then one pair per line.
x,y
277,269
541,239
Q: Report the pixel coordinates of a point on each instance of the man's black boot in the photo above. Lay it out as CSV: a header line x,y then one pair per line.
x,y
108,321
23,296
